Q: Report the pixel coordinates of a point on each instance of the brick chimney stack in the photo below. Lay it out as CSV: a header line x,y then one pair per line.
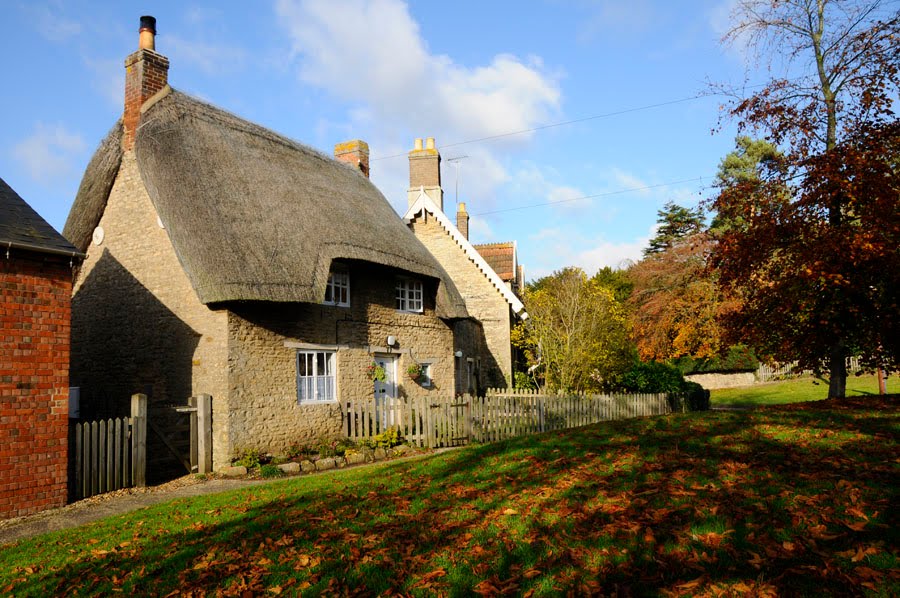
x,y
354,152
425,172
462,220
146,73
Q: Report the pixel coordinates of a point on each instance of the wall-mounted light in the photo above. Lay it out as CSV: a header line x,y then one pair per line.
x,y
458,353
391,341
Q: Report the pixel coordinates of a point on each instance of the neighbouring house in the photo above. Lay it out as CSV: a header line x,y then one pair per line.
x,y
488,276
35,310
225,259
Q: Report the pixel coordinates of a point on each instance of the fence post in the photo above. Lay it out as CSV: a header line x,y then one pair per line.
x,y
204,434
139,438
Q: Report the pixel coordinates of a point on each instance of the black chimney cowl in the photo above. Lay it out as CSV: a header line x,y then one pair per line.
x,y
148,23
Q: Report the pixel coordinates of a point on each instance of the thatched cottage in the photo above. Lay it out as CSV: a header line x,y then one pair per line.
x,y
223,258
35,308
488,276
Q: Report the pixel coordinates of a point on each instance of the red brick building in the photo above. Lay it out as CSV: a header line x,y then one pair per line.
x,y
35,299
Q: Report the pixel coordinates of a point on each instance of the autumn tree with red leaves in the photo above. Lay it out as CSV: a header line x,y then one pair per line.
x,y
815,259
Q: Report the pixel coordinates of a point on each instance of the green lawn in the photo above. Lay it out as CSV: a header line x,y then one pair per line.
x,y
797,390
792,500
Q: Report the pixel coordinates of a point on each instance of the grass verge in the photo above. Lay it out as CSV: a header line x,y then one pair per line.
x,y
797,390
800,499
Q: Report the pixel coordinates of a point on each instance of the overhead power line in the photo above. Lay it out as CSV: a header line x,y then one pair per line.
x,y
575,121
607,194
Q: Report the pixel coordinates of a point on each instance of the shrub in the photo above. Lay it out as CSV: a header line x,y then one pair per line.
x,y
270,471
248,458
653,376
389,438
738,358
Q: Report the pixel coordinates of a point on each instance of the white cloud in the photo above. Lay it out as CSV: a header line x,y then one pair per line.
x,y
537,182
480,231
48,154
107,78
371,54
52,25
212,59
614,18
589,254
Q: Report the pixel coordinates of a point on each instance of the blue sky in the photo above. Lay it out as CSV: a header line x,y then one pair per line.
x,y
387,72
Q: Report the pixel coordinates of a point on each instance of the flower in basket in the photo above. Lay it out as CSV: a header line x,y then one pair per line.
x,y
376,372
414,371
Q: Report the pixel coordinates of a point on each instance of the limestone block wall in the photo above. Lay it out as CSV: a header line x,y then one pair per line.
x,y
262,358
712,381
483,301
35,295
137,325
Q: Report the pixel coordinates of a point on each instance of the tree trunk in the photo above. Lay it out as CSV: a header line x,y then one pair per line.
x,y
837,385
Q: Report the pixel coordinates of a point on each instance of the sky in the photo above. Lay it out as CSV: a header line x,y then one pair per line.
x,y
596,112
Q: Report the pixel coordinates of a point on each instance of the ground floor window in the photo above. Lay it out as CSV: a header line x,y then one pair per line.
x,y
315,376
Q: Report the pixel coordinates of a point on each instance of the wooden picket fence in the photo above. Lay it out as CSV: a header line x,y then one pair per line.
x,y
111,454
766,373
424,422
502,414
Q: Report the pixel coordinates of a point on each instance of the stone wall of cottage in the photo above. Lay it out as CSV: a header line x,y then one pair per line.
x,y
262,358
483,301
35,294
137,324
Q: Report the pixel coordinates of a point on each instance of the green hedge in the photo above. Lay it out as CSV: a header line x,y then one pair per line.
x,y
738,358
655,377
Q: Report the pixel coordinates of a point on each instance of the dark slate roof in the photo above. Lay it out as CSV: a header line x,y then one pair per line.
x,y
22,227
252,215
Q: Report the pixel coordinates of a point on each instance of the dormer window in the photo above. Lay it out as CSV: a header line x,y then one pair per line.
x,y
337,291
409,295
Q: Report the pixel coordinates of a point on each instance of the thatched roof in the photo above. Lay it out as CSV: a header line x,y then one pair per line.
x,y
254,216
23,228
94,189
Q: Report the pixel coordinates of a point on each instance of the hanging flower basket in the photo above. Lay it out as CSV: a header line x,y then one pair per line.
x,y
376,372
414,371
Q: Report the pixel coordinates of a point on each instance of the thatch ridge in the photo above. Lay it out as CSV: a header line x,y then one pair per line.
x,y
255,216
93,192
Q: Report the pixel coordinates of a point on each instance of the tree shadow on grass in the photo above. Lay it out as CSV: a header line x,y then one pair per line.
x,y
762,499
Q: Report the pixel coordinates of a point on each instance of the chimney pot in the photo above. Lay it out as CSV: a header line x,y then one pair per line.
x,y
418,144
147,39
429,143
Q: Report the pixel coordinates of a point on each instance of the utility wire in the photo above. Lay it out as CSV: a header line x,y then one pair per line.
x,y
553,125
607,194
575,121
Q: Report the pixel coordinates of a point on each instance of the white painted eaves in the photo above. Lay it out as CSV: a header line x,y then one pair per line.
x,y
424,203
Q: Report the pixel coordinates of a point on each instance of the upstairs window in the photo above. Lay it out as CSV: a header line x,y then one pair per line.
x,y
337,291
315,376
409,295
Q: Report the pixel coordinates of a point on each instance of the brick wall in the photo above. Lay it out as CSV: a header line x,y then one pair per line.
x,y
35,312
263,371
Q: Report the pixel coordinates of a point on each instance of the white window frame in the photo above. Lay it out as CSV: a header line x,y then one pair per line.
x,y
410,295
338,280
316,388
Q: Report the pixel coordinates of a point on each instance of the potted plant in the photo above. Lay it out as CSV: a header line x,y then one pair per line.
x,y
376,372
414,371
